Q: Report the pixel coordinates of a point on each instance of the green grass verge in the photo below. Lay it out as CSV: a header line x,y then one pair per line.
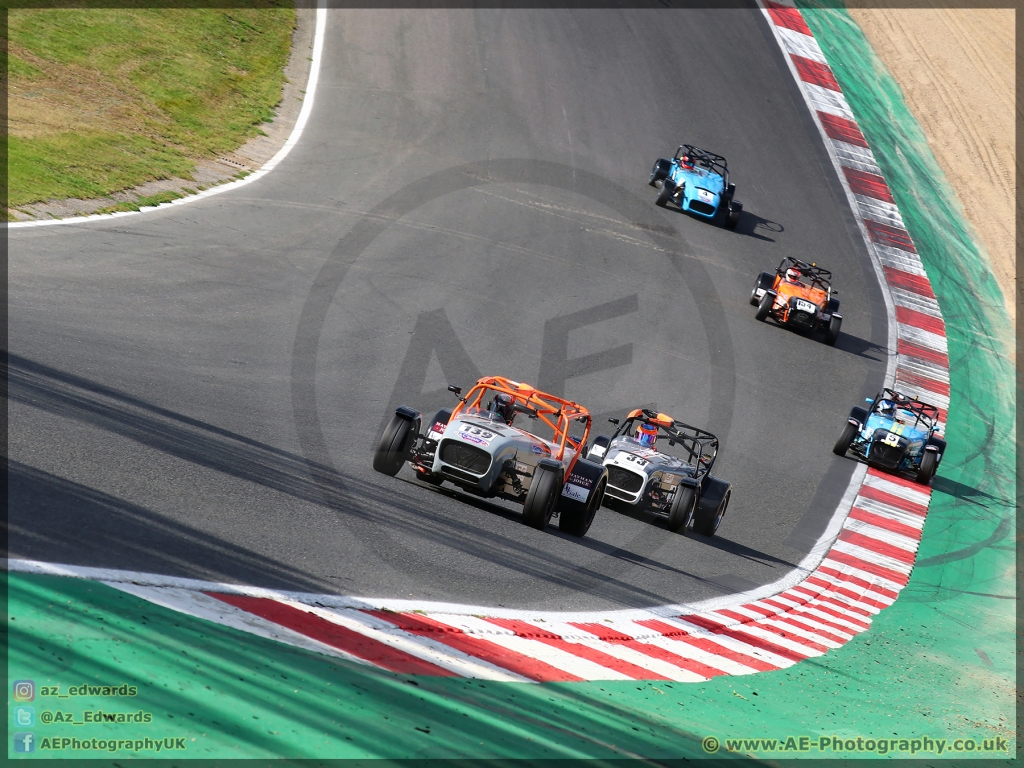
x,y
189,84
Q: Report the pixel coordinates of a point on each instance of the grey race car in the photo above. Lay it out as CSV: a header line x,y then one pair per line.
x,y
662,465
476,447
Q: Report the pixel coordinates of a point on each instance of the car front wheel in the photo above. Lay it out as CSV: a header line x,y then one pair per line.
x,y
680,514
541,498
666,192
929,463
393,447
845,439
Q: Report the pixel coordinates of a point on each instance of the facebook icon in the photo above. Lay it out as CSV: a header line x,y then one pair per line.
x,y
24,741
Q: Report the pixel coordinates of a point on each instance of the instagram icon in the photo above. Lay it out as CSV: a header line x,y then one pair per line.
x,y
24,690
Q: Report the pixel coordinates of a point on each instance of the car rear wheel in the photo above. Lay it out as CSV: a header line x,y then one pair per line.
x,y
666,192
929,463
707,524
845,439
660,170
541,498
832,334
765,306
393,447
680,514
577,522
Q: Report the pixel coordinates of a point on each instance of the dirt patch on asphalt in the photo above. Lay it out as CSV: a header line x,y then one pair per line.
x,y
77,103
957,71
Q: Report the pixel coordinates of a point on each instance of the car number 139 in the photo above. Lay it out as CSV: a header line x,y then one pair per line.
x,y
477,432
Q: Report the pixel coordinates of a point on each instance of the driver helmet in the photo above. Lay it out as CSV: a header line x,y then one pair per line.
x,y
887,408
646,435
793,275
503,405
686,161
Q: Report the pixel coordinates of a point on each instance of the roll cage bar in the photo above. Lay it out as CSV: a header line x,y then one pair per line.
x,y
700,445
554,411
704,159
820,278
923,412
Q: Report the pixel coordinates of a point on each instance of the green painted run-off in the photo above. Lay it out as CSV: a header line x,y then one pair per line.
x,y
939,663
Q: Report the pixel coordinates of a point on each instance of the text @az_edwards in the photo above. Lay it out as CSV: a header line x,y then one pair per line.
x,y
880,746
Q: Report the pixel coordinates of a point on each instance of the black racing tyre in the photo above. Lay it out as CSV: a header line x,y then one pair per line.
x,y
845,439
732,216
680,514
393,448
578,522
660,170
707,524
764,306
929,463
665,193
542,496
764,282
832,334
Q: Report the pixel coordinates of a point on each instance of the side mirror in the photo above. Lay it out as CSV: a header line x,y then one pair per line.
x,y
614,421
456,390
868,400
671,441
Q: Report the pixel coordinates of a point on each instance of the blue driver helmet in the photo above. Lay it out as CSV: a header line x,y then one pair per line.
x,y
504,406
646,435
887,408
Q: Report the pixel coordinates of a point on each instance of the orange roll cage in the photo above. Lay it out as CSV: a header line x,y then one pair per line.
x,y
543,404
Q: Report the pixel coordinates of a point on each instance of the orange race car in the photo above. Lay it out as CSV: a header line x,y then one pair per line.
x,y
536,462
799,295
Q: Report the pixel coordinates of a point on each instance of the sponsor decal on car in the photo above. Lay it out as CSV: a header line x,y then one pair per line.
x,y
706,196
476,435
541,450
575,492
598,451
580,480
520,467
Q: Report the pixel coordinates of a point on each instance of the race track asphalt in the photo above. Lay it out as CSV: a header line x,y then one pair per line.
x,y
197,391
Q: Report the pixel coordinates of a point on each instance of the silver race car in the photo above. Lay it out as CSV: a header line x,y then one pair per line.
x,y
659,464
476,447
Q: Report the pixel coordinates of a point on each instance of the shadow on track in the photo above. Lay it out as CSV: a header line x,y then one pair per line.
x,y
58,520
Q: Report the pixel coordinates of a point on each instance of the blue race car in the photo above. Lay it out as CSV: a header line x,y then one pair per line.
x,y
697,182
896,433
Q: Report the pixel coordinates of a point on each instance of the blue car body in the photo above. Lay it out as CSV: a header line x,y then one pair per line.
x,y
697,181
896,433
